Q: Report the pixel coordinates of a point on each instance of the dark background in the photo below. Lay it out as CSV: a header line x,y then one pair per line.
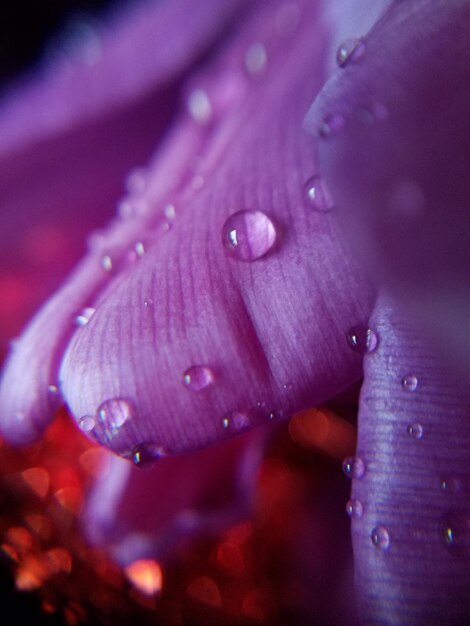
x,y
28,29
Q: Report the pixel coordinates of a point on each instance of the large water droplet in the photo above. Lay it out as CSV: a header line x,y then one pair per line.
x,y
455,531
199,106
146,454
409,382
354,467
362,340
198,377
380,538
86,423
317,194
350,51
415,430
85,316
248,235
256,59
354,508
235,421
113,414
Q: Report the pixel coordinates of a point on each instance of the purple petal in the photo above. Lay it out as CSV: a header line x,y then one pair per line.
x,y
202,491
398,167
411,515
272,331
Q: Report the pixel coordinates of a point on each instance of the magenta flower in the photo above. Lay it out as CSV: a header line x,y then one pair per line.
x,y
232,290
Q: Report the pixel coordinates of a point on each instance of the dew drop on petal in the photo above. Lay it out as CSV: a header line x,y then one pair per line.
x,y
85,316
170,212
317,194
139,248
248,235
113,414
354,508
454,484
455,531
86,423
199,106
53,390
256,59
409,382
380,538
146,454
106,263
235,421
331,125
354,467
350,51
415,430
362,340
198,377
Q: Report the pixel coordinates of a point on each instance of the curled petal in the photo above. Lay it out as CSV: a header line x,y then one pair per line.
x,y
396,160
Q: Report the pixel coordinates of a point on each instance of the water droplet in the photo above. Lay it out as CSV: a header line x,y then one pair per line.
x,y
454,484
112,414
287,386
455,531
170,212
415,430
380,538
148,303
85,316
139,248
362,340
350,51
235,421
107,263
317,194
86,423
53,390
199,106
409,382
331,125
248,235
256,59
136,181
354,467
198,377
146,454
354,508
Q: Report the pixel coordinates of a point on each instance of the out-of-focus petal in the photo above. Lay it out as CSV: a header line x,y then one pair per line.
x,y
202,491
410,508
270,331
395,152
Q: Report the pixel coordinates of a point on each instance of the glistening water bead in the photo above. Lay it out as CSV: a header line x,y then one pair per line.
x,y
146,454
113,414
415,430
350,51
409,382
317,195
455,531
236,421
248,235
380,538
362,340
354,508
354,467
198,377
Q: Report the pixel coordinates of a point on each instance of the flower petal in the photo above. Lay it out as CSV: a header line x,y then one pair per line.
x,y
398,167
272,331
202,491
411,527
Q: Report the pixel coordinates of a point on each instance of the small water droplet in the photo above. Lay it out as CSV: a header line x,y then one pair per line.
x,y
455,531
148,303
380,538
113,414
362,340
53,390
107,263
287,386
136,181
256,59
455,484
170,212
235,421
86,423
85,316
350,51
199,106
317,194
248,235
146,454
354,508
331,125
139,248
354,467
409,382
198,377
415,430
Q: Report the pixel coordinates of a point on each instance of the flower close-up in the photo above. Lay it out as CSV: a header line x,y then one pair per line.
x,y
234,283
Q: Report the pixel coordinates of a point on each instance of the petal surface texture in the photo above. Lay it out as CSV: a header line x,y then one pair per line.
x,y
411,520
203,325
395,151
